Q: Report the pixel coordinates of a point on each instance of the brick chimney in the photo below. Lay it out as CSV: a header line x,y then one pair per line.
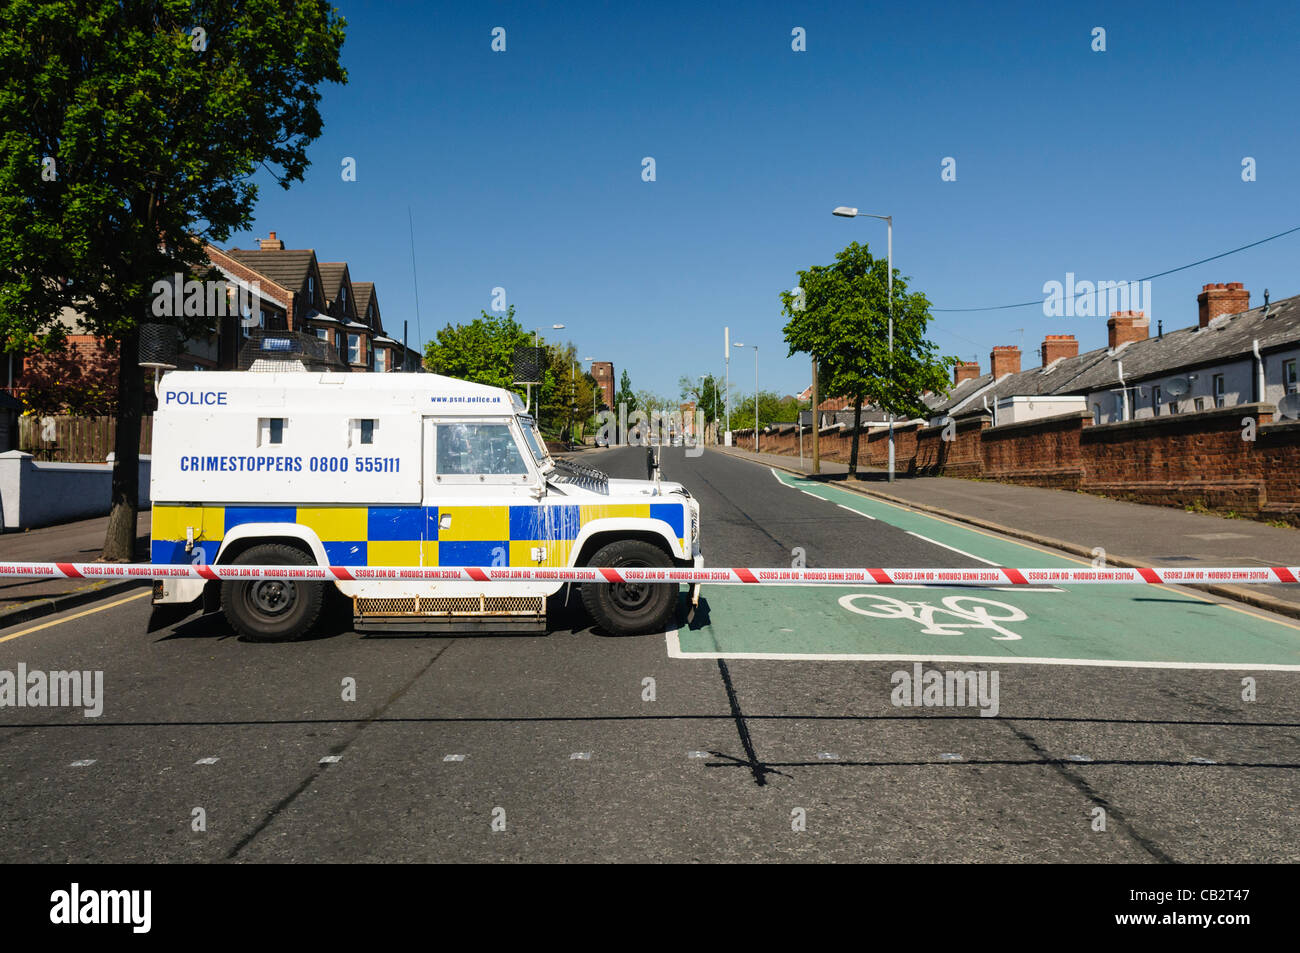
x,y
1215,300
1057,346
965,371
271,244
1125,326
1005,359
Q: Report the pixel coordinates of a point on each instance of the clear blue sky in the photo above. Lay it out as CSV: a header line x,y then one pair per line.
x,y
523,169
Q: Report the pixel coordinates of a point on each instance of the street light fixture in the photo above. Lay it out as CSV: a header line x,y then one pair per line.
x,y
554,327
755,347
846,211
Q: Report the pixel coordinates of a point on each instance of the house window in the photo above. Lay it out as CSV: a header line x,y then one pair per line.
x,y
354,349
381,360
343,295
1200,403
1218,390
323,335
367,431
311,289
370,355
1288,376
1155,400
1096,413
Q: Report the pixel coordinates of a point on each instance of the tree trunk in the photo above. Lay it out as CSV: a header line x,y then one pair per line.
x,y
119,541
853,451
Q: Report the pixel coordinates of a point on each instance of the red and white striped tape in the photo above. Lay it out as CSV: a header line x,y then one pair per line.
x,y
991,576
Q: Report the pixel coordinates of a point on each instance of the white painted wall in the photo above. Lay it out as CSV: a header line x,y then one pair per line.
x,y
1014,410
40,494
1238,384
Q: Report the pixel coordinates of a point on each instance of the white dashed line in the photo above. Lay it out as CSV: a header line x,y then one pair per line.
x,y
697,754
814,496
207,761
827,756
960,552
950,757
1202,761
1078,757
453,757
852,510
331,759
83,764
580,756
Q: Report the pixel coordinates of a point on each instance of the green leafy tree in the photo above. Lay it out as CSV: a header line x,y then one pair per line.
x,y
625,395
843,323
707,395
482,351
772,408
129,133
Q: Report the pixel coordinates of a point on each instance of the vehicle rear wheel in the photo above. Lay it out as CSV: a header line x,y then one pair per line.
x,y
272,610
624,608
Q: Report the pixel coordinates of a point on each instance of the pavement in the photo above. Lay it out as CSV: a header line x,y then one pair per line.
x,y
81,541
1130,534
1134,724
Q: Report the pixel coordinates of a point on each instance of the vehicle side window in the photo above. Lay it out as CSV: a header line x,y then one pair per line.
x,y
473,449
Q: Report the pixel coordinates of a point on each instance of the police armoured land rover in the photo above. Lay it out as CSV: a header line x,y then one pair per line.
x,y
395,470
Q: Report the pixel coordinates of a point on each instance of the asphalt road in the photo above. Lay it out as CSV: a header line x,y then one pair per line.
x,y
550,748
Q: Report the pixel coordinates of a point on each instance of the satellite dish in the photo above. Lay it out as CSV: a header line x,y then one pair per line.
x,y
1178,387
1288,408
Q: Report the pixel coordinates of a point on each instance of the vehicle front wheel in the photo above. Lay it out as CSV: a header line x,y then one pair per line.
x,y
626,608
272,610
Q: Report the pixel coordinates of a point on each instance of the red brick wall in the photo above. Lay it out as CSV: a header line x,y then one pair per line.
x,y
1198,460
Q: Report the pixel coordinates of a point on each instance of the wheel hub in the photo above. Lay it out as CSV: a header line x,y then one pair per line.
x,y
273,596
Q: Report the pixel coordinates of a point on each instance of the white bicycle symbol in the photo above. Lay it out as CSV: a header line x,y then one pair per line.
x,y
973,610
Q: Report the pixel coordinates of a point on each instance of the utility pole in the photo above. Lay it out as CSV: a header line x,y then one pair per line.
x,y
816,424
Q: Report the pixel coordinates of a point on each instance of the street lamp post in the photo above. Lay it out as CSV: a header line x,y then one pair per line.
x,y
726,356
755,347
845,211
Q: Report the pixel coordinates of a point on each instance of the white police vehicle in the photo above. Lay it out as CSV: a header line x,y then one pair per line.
x,y
301,468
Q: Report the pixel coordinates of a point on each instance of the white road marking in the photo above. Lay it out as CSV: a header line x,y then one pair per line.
x,y
674,646
331,759
453,757
813,495
580,756
852,510
207,761
949,756
827,756
959,552
82,764
1078,757
697,754
1202,761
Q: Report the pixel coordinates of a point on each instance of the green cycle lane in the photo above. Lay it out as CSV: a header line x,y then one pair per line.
x,y
1116,625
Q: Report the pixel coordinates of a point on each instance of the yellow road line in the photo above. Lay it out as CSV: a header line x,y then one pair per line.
x,y
46,625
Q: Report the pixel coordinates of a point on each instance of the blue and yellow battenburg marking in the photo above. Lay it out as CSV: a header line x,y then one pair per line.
x,y
409,535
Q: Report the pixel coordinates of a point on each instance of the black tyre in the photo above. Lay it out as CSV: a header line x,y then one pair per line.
x,y
272,610
630,608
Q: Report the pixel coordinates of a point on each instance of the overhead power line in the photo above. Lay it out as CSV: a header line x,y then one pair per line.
x,y
1039,301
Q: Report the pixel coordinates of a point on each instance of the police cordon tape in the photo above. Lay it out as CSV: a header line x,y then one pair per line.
x,y
993,576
